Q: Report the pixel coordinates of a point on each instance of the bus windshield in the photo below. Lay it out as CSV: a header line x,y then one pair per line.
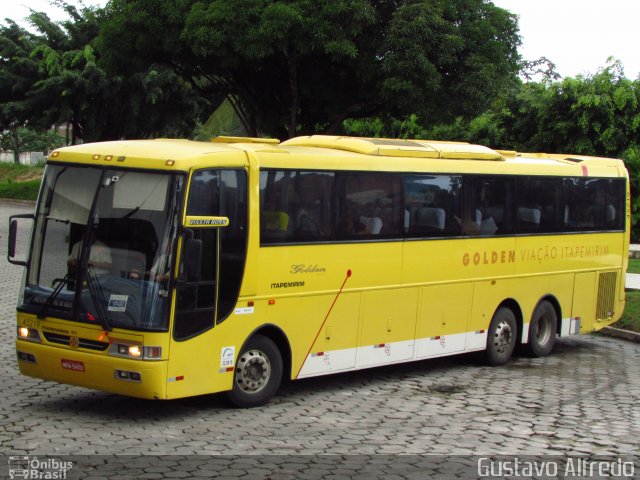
x,y
103,247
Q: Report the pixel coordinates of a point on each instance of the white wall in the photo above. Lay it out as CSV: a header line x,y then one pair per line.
x,y
26,158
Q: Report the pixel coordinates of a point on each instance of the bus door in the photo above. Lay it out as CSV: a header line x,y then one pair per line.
x,y
209,277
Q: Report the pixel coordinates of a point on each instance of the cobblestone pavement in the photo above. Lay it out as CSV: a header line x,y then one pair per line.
x,y
583,399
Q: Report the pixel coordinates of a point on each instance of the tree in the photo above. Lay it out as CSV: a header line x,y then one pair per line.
x,y
18,73
300,66
54,76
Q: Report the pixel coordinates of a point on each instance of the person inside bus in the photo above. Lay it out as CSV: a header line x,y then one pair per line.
x,y
306,217
99,257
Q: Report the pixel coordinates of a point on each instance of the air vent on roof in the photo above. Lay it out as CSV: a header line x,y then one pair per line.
x,y
222,139
398,148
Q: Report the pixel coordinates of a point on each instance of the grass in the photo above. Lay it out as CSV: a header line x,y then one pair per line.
x,y
19,182
630,319
634,265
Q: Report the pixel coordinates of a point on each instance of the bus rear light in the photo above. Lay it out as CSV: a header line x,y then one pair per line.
x,y
26,357
30,334
152,352
128,376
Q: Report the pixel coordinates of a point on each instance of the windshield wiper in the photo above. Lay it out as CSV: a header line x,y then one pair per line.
x,y
97,296
52,296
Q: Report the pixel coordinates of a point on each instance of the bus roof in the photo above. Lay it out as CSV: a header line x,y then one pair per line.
x,y
173,154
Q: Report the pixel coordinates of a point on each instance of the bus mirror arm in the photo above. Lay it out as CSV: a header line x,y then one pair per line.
x,y
13,235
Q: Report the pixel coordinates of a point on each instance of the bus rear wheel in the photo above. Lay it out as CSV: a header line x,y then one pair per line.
x,y
501,338
258,373
542,330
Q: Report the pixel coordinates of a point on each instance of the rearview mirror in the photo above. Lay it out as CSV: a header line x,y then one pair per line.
x,y
13,235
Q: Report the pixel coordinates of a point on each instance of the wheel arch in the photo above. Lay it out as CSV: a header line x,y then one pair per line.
x,y
277,336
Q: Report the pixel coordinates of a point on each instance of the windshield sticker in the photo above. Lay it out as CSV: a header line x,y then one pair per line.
x,y
227,356
118,303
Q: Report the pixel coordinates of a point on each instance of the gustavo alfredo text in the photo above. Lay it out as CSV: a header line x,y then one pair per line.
x,y
570,467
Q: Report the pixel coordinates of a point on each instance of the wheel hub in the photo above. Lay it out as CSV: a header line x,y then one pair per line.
x,y
502,337
253,371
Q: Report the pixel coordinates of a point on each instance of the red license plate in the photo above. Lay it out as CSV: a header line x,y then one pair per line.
x,y
72,365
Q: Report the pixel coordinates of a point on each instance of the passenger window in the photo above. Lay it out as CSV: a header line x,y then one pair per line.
x,y
593,204
296,206
432,205
369,206
539,205
488,206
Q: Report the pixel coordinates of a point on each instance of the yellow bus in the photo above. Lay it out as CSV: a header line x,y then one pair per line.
x,y
163,269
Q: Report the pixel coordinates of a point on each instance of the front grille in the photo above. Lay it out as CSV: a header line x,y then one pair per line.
x,y
606,295
82,342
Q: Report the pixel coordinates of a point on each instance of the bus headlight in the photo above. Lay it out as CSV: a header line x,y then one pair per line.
x,y
30,334
136,351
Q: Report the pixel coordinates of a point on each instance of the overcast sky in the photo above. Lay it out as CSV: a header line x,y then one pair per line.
x,y
577,35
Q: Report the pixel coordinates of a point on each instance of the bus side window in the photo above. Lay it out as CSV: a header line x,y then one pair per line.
x,y
369,206
432,205
493,198
538,204
296,206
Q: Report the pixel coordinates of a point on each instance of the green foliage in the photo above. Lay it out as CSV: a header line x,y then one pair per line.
x,y
54,76
29,140
20,182
630,319
634,265
20,190
632,160
293,67
221,122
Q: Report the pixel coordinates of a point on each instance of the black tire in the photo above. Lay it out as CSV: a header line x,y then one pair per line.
x,y
502,336
258,373
542,330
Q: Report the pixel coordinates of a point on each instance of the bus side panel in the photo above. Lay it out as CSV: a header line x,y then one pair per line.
x,y
194,365
334,349
388,327
584,301
443,319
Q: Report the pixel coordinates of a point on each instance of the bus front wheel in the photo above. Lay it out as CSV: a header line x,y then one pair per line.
x,y
258,373
501,338
542,330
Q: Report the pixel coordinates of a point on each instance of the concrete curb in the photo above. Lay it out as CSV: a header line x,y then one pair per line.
x,y
620,333
17,201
